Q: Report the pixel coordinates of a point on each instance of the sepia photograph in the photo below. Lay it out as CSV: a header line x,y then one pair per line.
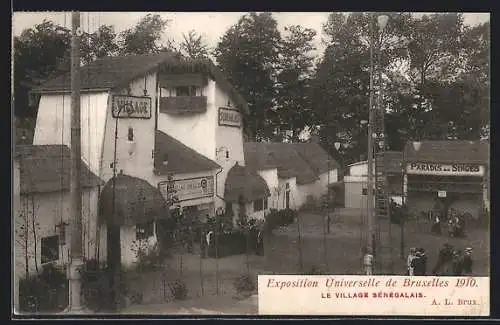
x,y
180,163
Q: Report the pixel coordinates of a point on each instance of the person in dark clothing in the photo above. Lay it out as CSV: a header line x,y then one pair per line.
x,y
467,262
260,243
457,263
436,226
445,256
423,256
418,264
461,226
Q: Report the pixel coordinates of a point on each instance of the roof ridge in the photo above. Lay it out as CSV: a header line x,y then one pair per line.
x,y
307,161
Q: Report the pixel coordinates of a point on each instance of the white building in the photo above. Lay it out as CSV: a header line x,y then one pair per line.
x,y
157,122
41,207
293,171
439,176
356,180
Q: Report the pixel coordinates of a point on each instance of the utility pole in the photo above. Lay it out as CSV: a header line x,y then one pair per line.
x,y
76,259
369,241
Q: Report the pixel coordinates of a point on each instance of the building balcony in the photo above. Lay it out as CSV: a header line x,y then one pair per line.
x,y
180,105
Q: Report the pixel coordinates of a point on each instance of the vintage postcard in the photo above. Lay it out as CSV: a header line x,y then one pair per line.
x,y
270,163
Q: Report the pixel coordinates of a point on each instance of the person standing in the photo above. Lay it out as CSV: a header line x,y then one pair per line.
x,y
416,264
423,257
457,263
467,261
436,227
209,243
368,263
409,260
445,256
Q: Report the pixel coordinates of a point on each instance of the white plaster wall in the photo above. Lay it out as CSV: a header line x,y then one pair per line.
x,y
53,125
128,249
226,137
359,169
304,190
353,194
271,178
197,130
140,162
49,209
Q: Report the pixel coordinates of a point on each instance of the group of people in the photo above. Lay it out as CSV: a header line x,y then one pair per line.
x,y
417,262
451,262
455,222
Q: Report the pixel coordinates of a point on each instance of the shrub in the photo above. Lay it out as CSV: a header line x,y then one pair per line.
x,y
96,287
147,257
44,292
236,240
244,284
278,218
178,289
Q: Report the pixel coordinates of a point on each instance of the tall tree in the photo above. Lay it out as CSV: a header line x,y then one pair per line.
x,y
461,99
434,50
341,82
101,43
39,53
248,54
145,37
194,46
293,79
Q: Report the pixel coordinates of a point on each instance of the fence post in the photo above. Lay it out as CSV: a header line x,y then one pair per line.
x,y
201,261
217,231
164,286
299,242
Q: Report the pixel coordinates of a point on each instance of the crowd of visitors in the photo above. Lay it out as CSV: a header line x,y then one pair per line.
x,y
455,222
451,262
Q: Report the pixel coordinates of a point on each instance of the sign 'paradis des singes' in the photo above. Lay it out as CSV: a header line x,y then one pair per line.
x,y
445,169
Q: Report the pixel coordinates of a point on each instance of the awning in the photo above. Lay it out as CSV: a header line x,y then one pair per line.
x,y
136,201
243,184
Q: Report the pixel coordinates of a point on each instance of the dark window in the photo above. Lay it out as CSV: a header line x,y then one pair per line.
x,y
258,205
144,230
50,249
227,154
287,186
130,134
185,91
365,191
265,203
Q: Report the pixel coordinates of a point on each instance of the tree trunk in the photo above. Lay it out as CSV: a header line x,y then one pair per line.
x,y
114,264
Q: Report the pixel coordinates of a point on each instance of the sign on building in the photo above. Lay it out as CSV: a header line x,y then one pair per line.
x,y
441,193
188,189
229,117
437,169
125,106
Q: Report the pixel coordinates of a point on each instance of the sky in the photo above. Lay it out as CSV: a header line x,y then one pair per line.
x,y
211,25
